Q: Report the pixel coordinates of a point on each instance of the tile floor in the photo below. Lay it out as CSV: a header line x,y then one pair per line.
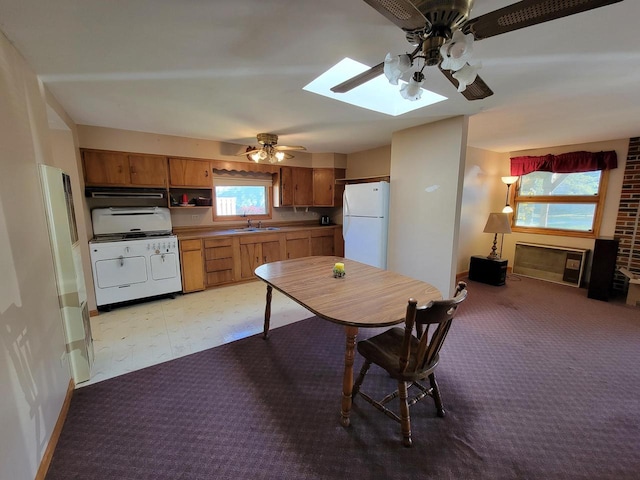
x,y
137,336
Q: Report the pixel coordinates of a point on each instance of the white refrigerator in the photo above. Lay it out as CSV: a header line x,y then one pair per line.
x,y
365,222
65,247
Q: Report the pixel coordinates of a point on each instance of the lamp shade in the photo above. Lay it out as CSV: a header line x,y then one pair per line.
x,y
498,223
509,180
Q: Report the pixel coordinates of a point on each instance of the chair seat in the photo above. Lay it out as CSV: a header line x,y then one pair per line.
x,y
383,350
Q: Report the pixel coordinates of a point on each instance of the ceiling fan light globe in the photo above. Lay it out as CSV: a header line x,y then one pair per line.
x,y
413,90
255,156
262,155
395,66
457,51
279,156
466,76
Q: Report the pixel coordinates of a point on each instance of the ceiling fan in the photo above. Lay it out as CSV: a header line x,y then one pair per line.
x,y
269,149
442,34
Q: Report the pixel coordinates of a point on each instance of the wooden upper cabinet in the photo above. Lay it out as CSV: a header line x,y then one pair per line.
x,y
286,186
102,168
189,173
303,186
105,168
296,187
323,187
146,170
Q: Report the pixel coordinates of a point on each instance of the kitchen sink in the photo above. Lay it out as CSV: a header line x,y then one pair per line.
x,y
254,229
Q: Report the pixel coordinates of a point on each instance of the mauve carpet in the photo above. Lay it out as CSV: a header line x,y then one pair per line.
x,y
538,381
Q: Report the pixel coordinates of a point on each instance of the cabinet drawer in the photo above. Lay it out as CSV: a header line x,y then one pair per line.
x,y
186,245
296,235
322,232
217,242
260,238
219,264
216,278
218,252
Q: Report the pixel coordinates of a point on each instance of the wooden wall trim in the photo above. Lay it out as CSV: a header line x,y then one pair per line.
x,y
55,435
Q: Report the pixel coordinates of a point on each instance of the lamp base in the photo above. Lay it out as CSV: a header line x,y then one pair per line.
x,y
494,255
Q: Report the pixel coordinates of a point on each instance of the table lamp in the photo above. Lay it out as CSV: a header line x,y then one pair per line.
x,y
497,223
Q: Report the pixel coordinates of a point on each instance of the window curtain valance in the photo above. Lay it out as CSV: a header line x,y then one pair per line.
x,y
565,163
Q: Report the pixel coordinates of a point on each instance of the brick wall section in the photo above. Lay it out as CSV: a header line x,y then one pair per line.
x,y
628,223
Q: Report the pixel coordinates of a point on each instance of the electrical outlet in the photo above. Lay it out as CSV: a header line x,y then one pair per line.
x,y
195,217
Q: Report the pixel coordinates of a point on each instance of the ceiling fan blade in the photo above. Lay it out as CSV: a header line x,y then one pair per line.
x,y
401,12
249,151
287,147
527,13
476,91
359,79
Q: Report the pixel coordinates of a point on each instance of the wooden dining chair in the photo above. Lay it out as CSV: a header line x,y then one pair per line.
x,y
410,358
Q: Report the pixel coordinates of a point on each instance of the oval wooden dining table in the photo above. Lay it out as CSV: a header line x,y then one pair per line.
x,y
365,297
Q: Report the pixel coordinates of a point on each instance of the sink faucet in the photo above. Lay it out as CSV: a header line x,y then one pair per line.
x,y
259,223
248,223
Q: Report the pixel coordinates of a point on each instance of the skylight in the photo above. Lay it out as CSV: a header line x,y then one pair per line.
x,y
377,94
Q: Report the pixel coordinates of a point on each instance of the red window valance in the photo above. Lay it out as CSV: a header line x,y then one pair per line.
x,y
565,163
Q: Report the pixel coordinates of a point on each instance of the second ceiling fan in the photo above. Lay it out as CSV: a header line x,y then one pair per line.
x,y
270,150
442,34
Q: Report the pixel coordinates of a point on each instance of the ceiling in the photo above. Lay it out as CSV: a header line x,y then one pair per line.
x,y
225,71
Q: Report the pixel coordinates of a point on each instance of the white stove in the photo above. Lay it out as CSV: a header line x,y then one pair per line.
x,y
134,255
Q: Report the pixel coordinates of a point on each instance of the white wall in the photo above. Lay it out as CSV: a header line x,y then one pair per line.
x,y
427,170
33,381
483,193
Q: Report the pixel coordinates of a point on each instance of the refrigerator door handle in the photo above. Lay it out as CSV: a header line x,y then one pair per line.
x,y
346,218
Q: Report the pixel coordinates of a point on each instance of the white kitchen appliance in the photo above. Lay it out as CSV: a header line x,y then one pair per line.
x,y
65,248
133,254
365,222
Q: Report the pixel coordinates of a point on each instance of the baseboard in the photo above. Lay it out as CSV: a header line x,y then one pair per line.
x,y
55,435
94,313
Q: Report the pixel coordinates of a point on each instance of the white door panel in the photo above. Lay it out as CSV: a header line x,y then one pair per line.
x,y
120,271
164,265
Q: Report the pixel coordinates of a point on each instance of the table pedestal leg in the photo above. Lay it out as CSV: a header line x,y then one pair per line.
x,y
267,313
347,381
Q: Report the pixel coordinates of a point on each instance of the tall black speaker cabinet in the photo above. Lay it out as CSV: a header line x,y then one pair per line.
x,y
603,268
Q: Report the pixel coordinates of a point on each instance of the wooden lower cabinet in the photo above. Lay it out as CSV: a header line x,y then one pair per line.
x,y
323,242
218,255
222,260
297,244
191,262
256,250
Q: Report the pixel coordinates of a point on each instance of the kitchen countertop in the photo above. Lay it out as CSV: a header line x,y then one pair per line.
x,y
217,232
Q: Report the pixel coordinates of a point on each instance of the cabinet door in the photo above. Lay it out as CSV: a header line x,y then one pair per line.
x,y
303,189
148,170
192,265
250,255
271,251
323,187
297,244
105,168
189,173
287,186
323,245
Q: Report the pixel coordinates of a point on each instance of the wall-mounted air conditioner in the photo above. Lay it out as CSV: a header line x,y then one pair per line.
x,y
563,265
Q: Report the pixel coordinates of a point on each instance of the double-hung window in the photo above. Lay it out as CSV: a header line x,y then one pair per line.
x,y
240,195
561,195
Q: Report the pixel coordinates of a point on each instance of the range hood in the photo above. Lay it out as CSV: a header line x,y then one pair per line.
x,y
125,192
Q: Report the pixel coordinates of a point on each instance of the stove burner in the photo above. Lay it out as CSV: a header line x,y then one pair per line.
x,y
123,237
